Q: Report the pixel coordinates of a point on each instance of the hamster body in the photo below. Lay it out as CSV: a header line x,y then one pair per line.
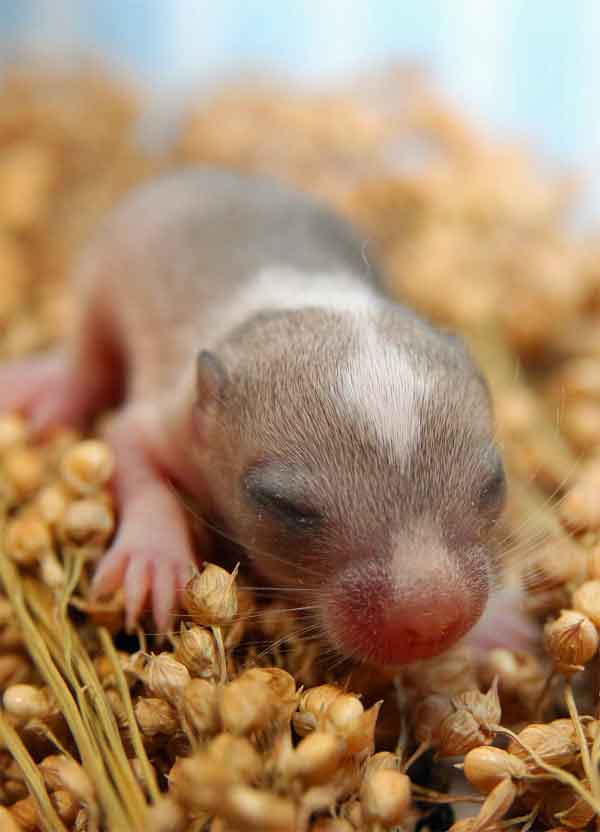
x,y
256,360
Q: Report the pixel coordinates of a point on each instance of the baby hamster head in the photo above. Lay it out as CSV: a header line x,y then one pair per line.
x,y
352,455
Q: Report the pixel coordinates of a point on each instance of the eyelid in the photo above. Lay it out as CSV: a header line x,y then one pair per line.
x,y
265,488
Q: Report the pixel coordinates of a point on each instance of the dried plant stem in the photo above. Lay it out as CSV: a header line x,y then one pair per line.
x,y
218,635
590,772
116,813
431,796
419,751
31,773
136,737
563,777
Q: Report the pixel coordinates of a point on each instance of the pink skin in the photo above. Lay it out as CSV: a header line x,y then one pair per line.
x,y
151,555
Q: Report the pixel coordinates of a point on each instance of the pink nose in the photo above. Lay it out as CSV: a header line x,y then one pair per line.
x,y
369,620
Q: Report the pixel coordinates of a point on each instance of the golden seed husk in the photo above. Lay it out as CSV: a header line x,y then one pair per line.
x,y
23,468
155,716
385,797
61,772
210,597
317,757
571,639
27,702
260,810
551,742
27,539
196,649
246,706
87,525
166,678
485,767
586,599
87,467
200,707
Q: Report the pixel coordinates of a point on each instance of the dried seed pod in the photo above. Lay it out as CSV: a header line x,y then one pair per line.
x,y
26,814
210,597
166,678
380,761
13,431
87,467
459,733
24,470
429,715
554,744
200,707
281,686
61,772
238,755
485,707
385,797
87,524
571,640
27,539
586,599
196,649
317,758
259,810
246,705
155,716
485,767
165,816
28,702
51,503
312,705
579,509
52,571
496,805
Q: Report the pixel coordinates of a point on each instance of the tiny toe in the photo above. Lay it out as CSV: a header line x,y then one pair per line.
x,y
138,580
110,573
164,592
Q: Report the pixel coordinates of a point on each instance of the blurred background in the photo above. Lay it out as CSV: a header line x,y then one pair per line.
x,y
527,68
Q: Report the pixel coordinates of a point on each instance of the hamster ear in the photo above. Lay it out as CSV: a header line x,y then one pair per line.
x,y
211,378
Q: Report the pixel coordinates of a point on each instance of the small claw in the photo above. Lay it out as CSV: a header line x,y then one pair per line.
x,y
138,584
164,591
110,573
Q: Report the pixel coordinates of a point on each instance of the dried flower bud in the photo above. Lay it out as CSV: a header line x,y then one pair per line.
x,y
197,651
571,640
27,539
87,524
429,715
385,797
24,470
166,678
317,758
87,466
155,716
210,597
555,745
61,772
485,767
28,702
586,599
200,707
13,431
259,810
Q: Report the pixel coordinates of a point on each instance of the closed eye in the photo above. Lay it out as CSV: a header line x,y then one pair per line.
x,y
293,514
277,492
493,492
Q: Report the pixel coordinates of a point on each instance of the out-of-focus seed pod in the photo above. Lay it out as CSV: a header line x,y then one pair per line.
x,y
515,671
496,805
238,755
313,704
166,678
196,649
155,716
317,758
385,797
332,825
380,761
13,432
485,767
556,746
24,470
571,640
27,539
52,572
87,524
210,597
586,599
51,502
200,707
165,816
87,467
61,772
259,810
246,706
429,715
28,702
26,814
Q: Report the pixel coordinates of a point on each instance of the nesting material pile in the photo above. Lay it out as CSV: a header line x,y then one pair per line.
x,y
231,722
